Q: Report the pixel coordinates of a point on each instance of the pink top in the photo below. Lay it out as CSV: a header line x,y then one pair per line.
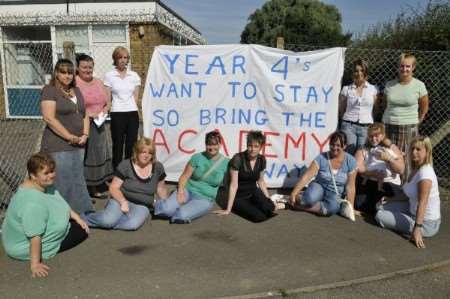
x,y
94,94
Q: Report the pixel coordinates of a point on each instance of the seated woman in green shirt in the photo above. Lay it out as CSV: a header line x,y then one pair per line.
x,y
39,223
198,184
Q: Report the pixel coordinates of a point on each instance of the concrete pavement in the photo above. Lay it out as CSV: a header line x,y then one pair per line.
x,y
222,257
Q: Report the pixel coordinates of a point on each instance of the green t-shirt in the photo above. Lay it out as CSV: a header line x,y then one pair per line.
x,y
206,185
403,102
33,213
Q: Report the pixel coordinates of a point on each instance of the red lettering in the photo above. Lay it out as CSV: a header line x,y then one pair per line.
x,y
321,145
160,143
268,144
187,151
296,144
223,144
241,137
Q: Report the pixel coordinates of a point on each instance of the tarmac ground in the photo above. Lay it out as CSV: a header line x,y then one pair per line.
x,y
294,254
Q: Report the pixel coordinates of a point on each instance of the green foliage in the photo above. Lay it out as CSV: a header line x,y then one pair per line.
x,y
423,29
298,21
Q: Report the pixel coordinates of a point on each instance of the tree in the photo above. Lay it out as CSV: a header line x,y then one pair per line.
x,y
422,29
298,21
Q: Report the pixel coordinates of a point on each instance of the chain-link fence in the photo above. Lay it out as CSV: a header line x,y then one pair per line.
x,y
433,68
27,66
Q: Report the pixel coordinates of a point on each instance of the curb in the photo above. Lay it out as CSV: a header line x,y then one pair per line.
x,y
340,284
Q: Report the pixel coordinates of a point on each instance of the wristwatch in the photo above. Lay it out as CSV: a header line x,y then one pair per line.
x,y
418,225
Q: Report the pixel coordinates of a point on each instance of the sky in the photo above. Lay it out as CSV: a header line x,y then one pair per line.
x,y
222,21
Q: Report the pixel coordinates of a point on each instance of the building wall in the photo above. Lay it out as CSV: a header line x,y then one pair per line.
x,y
141,48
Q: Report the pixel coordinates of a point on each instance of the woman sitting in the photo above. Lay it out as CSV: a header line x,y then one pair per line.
x,y
39,223
198,184
377,164
335,175
134,185
246,193
417,211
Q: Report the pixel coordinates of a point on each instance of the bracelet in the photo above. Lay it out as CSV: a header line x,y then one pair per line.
x,y
418,225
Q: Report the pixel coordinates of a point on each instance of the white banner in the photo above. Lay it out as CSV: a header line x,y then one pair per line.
x,y
291,97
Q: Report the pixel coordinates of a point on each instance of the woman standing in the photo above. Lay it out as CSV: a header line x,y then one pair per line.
x,y
133,189
123,88
376,164
198,184
38,222
66,134
406,100
247,193
334,174
417,212
356,103
97,160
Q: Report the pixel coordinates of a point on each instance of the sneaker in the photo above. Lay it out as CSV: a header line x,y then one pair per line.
x,y
279,198
180,221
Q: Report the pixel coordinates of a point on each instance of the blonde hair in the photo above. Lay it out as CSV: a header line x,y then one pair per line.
x,y
139,147
116,53
425,142
377,126
409,56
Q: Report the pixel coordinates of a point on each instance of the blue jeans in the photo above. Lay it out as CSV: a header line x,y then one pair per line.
x,y
194,207
111,217
70,180
395,216
315,193
356,135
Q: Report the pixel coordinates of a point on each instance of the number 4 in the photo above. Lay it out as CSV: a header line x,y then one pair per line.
x,y
281,66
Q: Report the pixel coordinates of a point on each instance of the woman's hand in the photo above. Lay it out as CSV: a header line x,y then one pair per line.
x,y
124,206
221,212
39,270
416,237
83,140
74,140
181,197
83,225
293,199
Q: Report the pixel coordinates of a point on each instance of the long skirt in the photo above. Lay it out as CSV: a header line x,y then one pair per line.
x,y
97,160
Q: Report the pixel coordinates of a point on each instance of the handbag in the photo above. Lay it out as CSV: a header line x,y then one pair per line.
x,y
346,208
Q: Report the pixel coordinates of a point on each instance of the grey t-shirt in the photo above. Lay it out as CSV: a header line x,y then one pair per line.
x,y
69,114
135,189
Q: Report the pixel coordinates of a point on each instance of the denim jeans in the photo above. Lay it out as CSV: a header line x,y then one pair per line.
x,y
395,216
356,135
70,180
111,217
315,193
194,207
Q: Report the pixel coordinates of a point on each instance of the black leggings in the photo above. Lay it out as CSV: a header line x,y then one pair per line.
x,y
255,208
75,236
367,195
124,131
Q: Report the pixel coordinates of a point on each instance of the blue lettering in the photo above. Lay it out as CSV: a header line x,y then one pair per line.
x,y
220,114
205,115
187,68
287,116
172,62
320,121
156,93
233,87
327,92
200,86
213,64
305,119
311,94
169,118
306,66
279,92
186,90
261,120
295,89
172,89
283,171
238,62
268,173
158,115
253,94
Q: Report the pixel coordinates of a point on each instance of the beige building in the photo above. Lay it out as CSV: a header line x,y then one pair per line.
x,y
33,33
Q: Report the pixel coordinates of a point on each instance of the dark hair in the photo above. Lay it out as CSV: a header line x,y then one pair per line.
x,y
38,162
61,64
256,137
84,57
363,64
338,136
213,136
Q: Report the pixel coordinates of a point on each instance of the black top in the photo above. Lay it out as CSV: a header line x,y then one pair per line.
x,y
247,176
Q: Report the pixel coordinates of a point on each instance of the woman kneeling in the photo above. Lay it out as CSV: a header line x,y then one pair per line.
x,y
39,223
133,188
